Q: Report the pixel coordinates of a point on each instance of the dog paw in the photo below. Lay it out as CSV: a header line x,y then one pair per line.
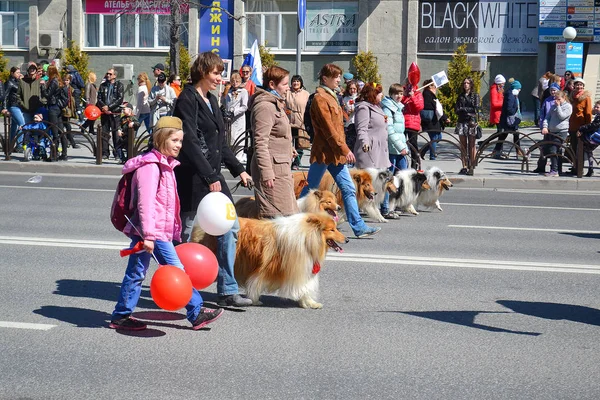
x,y
310,303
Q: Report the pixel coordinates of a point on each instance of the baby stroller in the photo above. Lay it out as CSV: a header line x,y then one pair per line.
x,y
36,143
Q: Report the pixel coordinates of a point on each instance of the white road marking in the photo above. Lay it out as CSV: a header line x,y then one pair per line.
x,y
349,257
25,325
512,228
530,207
534,191
62,189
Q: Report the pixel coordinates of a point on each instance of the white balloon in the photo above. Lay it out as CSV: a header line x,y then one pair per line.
x,y
216,214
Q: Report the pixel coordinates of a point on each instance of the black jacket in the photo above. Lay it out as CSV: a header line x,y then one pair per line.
x,y
50,92
11,93
436,124
114,103
467,107
204,148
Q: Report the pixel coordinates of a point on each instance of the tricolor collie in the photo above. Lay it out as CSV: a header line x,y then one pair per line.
x,y
283,255
439,182
315,201
383,182
410,184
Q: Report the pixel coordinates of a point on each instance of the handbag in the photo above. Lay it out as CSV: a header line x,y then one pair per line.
x,y
479,132
427,115
439,110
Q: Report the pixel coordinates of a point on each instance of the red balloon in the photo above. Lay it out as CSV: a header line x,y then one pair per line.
x,y
199,263
171,288
414,74
92,112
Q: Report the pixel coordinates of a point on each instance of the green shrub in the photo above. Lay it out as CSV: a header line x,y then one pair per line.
x,y
4,70
365,67
77,58
266,58
185,63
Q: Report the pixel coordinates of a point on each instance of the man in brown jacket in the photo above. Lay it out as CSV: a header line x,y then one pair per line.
x,y
329,151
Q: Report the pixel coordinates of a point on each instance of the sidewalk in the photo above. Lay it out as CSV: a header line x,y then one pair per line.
x,y
489,173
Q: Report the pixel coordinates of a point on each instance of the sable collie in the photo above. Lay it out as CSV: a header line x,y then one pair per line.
x,y
285,255
410,184
383,182
439,182
316,201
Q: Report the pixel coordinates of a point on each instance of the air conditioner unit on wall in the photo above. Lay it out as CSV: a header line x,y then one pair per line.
x,y
478,62
50,39
124,71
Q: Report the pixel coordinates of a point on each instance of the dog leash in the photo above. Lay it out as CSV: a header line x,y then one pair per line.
x,y
251,186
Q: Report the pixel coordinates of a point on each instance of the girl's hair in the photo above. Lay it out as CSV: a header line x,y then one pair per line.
x,y
426,84
53,73
562,95
161,135
329,71
547,75
13,70
470,86
144,77
275,74
597,103
370,92
555,79
349,84
299,79
395,88
204,64
235,74
172,78
92,77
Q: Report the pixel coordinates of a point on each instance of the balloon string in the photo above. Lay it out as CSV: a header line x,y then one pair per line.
x,y
139,233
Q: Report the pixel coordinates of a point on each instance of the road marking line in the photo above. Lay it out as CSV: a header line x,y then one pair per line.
x,y
534,191
25,325
56,188
512,228
529,207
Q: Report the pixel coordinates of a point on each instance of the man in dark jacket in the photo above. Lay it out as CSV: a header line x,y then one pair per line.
x,y
110,98
78,85
29,93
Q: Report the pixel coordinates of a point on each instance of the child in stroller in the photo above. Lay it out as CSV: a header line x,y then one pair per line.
x,y
37,145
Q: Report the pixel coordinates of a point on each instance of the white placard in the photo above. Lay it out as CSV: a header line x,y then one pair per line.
x,y
439,79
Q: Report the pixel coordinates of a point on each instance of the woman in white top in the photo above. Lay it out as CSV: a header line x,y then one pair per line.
x,y
348,107
162,99
142,104
236,104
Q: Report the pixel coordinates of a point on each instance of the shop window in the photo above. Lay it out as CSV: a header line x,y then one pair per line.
x,y
273,22
14,18
131,30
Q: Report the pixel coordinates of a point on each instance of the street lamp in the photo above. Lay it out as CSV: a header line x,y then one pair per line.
x,y
569,33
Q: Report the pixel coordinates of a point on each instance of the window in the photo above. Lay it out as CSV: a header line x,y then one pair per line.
x,y
131,30
274,22
14,18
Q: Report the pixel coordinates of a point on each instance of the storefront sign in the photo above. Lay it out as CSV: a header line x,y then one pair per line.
x,y
216,28
486,27
331,26
560,59
574,58
556,15
131,7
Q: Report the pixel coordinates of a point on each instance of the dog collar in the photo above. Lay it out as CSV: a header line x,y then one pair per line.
x,y
316,268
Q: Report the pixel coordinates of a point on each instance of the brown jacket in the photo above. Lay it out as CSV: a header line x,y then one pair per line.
x,y
582,110
272,155
329,142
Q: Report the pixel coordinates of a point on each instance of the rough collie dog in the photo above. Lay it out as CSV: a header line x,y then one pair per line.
x,y
284,255
410,184
383,181
439,182
316,201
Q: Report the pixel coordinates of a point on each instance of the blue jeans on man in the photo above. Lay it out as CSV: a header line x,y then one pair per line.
x,y
138,264
341,176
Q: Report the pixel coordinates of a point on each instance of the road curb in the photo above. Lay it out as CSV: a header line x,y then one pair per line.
x,y
60,168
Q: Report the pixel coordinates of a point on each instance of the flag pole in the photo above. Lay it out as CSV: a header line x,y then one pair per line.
x,y
301,23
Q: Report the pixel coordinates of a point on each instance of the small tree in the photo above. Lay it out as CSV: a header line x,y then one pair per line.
x,y
4,72
458,70
77,58
185,63
365,65
266,58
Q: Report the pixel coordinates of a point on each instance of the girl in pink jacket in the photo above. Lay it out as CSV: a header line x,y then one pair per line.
x,y
156,222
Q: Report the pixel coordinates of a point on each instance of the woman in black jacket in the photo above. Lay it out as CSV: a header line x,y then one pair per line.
x,y
430,122
11,104
204,148
53,92
467,107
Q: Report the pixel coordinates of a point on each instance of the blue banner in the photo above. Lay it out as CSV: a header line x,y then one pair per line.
x,y
216,28
575,58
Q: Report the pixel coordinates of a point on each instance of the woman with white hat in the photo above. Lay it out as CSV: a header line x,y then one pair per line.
x,y
581,100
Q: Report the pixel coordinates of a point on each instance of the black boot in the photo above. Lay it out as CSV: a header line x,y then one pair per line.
x,y
590,172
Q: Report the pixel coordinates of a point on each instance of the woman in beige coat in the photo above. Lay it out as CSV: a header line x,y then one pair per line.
x,y
273,149
296,99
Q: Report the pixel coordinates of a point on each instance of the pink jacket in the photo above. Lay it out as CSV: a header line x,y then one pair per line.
x,y
412,110
155,197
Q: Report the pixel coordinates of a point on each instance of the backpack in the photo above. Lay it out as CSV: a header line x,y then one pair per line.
x,y
62,97
307,121
121,206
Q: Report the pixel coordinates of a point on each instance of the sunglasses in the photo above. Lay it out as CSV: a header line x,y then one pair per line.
x,y
245,72
108,73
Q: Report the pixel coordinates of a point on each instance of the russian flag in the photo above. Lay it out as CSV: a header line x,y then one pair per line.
x,y
253,60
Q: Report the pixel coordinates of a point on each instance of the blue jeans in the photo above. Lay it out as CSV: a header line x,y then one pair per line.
x,y
341,176
398,163
17,121
433,145
131,288
145,118
226,246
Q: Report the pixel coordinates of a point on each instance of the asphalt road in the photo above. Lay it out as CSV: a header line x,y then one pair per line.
x,y
496,297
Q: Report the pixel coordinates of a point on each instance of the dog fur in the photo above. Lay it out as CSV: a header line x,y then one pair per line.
x,y
279,255
410,184
316,201
439,183
383,182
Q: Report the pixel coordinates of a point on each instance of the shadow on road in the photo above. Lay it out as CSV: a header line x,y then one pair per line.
x,y
99,290
464,318
582,235
80,317
555,311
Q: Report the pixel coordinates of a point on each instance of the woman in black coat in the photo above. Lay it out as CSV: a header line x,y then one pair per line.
x,y
53,92
430,122
204,148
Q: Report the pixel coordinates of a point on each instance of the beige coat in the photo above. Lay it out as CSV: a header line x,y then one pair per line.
x,y
296,103
272,156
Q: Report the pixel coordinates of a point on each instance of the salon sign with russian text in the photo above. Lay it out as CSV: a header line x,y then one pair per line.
x,y
486,27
